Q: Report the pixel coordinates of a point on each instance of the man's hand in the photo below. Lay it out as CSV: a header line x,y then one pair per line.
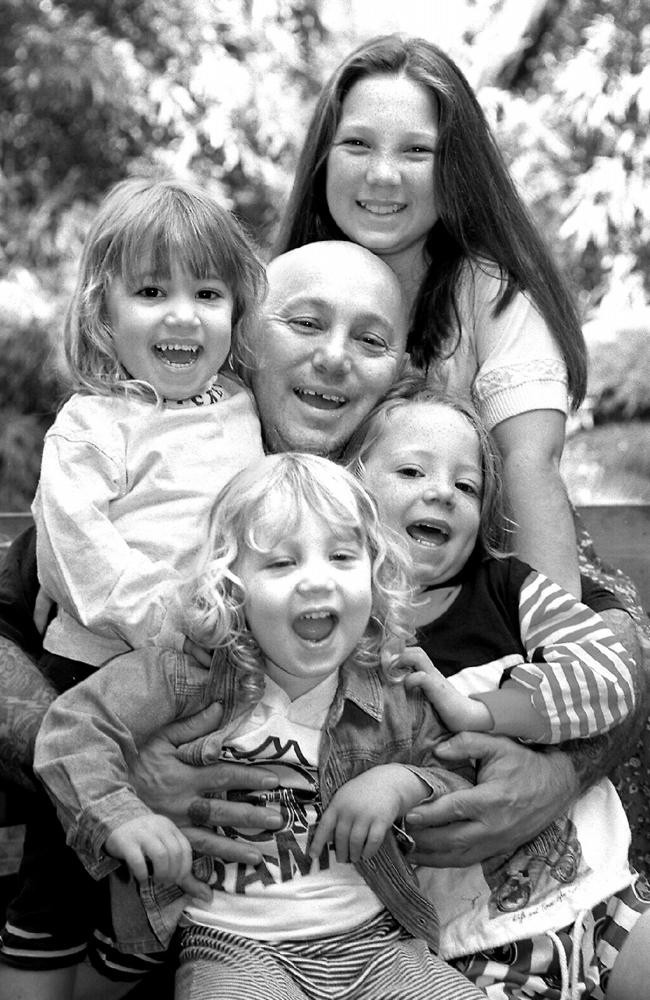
x,y
364,809
518,793
183,793
153,845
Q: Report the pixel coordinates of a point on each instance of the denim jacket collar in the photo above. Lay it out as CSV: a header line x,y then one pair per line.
x,y
361,685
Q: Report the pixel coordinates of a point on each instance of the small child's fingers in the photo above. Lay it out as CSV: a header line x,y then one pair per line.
x,y
342,841
415,658
179,854
136,862
358,839
322,834
374,839
429,686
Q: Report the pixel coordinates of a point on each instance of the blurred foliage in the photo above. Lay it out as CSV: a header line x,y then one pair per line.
x,y
92,90
619,376
576,136
603,466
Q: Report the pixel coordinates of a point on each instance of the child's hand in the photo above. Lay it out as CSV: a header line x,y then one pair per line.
x,y
154,846
457,711
364,809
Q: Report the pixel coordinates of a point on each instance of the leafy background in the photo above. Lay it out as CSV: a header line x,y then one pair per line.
x,y
221,90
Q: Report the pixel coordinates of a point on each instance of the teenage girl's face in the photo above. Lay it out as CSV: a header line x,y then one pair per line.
x,y
380,167
172,331
425,474
308,600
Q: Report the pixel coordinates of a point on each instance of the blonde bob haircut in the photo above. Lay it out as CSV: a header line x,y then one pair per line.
x,y
493,530
143,224
256,510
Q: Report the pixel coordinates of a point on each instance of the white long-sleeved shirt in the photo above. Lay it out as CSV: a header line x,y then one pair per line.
x,y
122,512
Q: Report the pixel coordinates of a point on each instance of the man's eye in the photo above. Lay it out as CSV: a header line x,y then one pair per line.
x,y
149,292
305,324
372,340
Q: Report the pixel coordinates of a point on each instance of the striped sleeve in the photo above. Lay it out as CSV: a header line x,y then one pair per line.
x,y
578,673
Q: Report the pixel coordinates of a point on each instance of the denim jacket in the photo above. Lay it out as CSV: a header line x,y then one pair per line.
x,y
92,732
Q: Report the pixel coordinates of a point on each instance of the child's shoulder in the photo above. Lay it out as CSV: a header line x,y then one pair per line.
x,y
86,406
505,570
95,418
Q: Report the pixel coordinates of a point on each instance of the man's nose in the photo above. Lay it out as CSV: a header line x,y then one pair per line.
x,y
332,354
382,168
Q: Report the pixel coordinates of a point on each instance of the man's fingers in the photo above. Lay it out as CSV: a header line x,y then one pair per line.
x,y
216,846
201,724
202,655
196,888
464,745
222,812
455,807
224,776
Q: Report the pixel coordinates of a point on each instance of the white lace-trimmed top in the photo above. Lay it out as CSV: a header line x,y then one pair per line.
x,y
508,364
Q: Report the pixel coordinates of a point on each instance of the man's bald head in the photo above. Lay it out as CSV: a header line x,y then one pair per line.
x,y
330,344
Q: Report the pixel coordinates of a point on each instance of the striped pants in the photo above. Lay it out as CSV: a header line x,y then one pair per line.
x,y
377,961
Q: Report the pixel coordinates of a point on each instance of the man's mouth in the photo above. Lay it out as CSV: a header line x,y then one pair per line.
x,y
382,207
431,533
177,355
315,626
320,400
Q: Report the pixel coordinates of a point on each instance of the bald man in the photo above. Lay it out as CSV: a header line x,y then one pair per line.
x,y
330,344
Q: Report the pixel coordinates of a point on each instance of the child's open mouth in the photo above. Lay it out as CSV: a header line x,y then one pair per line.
x,y
177,355
314,626
428,532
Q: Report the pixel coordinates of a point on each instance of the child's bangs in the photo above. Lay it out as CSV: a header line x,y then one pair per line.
x,y
174,231
339,512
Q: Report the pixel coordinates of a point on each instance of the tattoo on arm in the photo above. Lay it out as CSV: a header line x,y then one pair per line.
x,y
25,698
595,758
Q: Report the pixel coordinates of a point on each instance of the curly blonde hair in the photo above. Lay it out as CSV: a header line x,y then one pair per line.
x,y
168,219
245,518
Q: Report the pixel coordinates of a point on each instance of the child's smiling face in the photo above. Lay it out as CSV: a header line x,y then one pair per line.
x,y
308,598
425,474
172,331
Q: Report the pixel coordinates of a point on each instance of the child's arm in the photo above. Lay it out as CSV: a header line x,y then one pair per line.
x,y
463,713
84,563
91,734
153,846
363,810
575,683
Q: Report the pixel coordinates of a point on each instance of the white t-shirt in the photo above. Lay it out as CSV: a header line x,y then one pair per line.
x,y
287,896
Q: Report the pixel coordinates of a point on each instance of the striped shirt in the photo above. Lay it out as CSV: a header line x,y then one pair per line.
x,y
511,623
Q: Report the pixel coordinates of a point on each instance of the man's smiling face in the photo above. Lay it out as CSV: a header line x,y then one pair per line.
x,y
330,344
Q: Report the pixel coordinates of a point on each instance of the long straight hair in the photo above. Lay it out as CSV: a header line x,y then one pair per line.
x,y
482,218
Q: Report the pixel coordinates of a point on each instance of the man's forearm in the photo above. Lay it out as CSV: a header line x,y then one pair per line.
x,y
24,698
595,758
